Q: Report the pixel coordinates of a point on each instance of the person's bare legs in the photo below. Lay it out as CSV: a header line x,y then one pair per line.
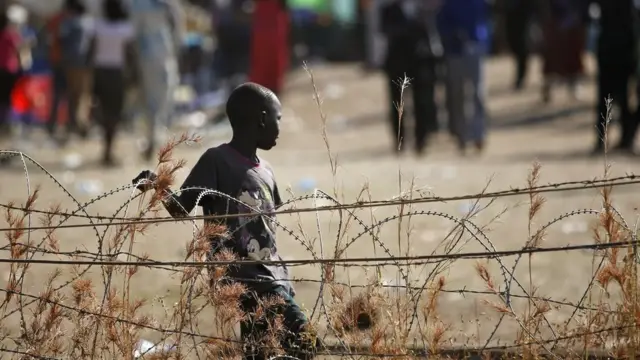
x,y
546,89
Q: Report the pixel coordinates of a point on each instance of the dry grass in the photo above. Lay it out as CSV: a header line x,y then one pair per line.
x,y
75,315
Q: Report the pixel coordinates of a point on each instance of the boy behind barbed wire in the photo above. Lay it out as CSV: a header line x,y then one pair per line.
x,y
235,169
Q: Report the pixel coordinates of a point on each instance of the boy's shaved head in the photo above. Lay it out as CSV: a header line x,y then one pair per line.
x,y
254,113
247,101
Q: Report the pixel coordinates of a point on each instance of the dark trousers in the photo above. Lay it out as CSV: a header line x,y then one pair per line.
x,y
109,90
79,85
422,87
518,40
613,81
7,82
254,329
59,87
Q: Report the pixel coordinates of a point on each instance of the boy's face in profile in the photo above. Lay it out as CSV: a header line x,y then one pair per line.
x,y
270,131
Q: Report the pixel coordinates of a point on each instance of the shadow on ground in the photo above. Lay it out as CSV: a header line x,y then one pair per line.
x,y
497,122
584,154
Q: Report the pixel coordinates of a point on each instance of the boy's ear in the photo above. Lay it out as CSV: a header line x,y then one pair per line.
x,y
263,116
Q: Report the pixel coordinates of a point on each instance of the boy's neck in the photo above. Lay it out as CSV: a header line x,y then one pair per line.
x,y
246,150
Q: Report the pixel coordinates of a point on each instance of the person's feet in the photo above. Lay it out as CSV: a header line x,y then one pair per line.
x,y
462,147
61,141
575,92
82,132
5,160
148,154
51,130
625,149
621,148
546,93
598,149
109,161
421,144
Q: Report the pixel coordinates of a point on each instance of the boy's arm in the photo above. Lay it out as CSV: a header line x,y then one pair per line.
x,y
201,178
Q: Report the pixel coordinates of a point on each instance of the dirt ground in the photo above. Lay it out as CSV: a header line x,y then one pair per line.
x,y
522,130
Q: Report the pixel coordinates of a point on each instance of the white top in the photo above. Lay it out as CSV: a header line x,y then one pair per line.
x,y
153,28
111,39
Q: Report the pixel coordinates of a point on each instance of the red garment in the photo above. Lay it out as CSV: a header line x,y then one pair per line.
x,y
53,27
269,44
9,43
32,95
563,50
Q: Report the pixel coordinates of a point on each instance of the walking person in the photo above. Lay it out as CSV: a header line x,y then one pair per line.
x,y
564,33
413,51
9,68
616,64
158,38
75,35
58,76
236,170
518,20
269,60
113,35
232,24
464,28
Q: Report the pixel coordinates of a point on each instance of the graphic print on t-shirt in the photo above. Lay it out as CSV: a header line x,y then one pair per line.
x,y
256,232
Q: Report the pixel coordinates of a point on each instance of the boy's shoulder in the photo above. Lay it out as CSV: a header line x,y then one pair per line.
x,y
225,154
222,154
215,151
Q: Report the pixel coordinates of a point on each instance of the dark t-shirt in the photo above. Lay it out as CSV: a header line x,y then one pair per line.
x,y
75,34
617,39
252,238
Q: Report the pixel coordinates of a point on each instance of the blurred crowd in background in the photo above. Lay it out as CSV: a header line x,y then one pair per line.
x,y
73,64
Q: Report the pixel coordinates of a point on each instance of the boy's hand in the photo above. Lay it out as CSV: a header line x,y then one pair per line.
x,y
145,180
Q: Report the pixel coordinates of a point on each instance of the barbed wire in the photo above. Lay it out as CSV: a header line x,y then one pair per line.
x,y
455,241
379,261
630,179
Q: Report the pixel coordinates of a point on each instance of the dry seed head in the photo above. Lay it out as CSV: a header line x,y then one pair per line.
x,y
165,153
361,313
222,349
501,308
31,200
165,178
216,273
482,270
329,272
337,292
189,273
227,294
272,301
82,290
225,255
608,273
541,308
437,336
537,202
534,175
211,230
